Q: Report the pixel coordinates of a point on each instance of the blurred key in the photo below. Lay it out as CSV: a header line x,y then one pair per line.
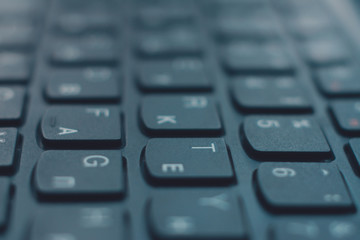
x,y
196,214
347,116
270,94
172,43
331,228
311,187
90,50
182,74
181,115
14,67
293,138
17,35
92,84
85,222
9,138
257,57
341,81
5,194
11,104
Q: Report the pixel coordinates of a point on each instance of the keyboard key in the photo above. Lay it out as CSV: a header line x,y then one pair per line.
x,y
257,57
163,17
184,74
11,104
81,127
85,84
17,35
354,145
347,116
325,51
176,42
14,68
339,81
89,50
83,22
312,187
195,214
5,194
292,138
184,115
188,160
329,229
270,94
90,174
77,223
8,141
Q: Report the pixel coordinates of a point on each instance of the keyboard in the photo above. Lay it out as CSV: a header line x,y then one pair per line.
x,y
179,120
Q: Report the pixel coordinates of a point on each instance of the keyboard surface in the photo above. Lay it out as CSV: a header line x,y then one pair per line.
x,y
176,120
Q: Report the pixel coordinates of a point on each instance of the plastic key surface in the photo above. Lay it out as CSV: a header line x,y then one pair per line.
x,y
11,104
299,187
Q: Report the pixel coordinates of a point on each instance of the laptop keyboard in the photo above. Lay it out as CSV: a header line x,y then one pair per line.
x,y
171,120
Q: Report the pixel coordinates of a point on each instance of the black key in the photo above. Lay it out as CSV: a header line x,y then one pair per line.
x,y
77,223
84,127
325,51
257,57
164,17
15,35
11,104
270,94
347,116
291,187
83,22
180,115
8,141
339,81
89,50
95,174
291,138
314,229
85,84
14,67
5,194
184,74
176,42
188,160
195,214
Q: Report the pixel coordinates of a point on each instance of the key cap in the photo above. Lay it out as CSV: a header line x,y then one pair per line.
x,y
270,94
8,141
172,43
347,116
81,127
339,81
325,51
97,84
354,147
256,57
188,160
169,115
195,214
89,50
163,17
11,104
14,68
311,187
5,194
15,35
291,138
89,174
183,74
77,223
329,229
83,22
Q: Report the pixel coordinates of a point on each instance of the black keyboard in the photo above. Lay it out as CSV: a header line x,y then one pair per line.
x,y
179,120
